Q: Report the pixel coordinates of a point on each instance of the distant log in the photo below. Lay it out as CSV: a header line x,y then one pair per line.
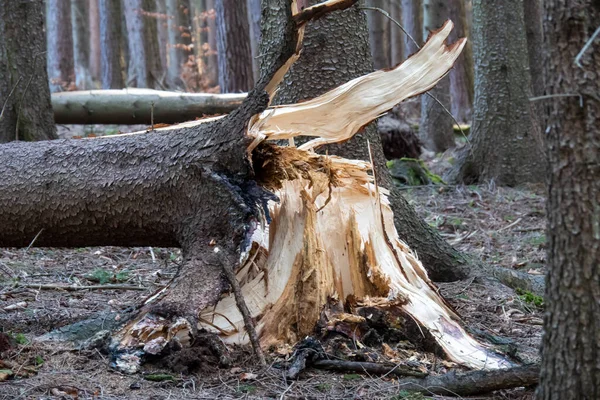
x,y
139,106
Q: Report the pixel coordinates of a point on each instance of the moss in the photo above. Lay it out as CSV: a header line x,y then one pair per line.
x,y
530,298
412,172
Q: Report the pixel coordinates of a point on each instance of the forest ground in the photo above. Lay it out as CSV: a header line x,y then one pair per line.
x,y
500,226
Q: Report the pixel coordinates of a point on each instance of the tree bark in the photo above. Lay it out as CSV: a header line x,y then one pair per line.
x,y
461,77
25,111
378,34
254,23
412,21
95,52
233,46
435,128
535,43
179,41
110,44
60,45
213,58
163,36
81,44
139,106
396,35
506,141
324,64
571,343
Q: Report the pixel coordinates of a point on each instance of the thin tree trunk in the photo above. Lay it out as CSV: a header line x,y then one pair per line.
x,y
571,343
179,40
325,64
110,44
213,57
81,44
254,23
435,128
535,43
233,45
462,83
25,111
506,141
396,35
95,52
152,44
162,25
138,74
378,34
412,21
60,45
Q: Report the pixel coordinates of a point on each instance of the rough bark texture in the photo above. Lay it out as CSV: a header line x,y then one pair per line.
x,y
233,46
435,128
535,43
412,21
110,44
94,24
571,345
506,141
396,34
179,41
462,83
336,49
378,34
60,44
25,111
254,23
81,44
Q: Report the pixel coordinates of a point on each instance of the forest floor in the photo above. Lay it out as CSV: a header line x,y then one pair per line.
x,y
500,226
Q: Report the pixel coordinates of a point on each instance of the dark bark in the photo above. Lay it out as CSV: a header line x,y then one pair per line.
x,y
571,344
412,21
335,50
233,46
110,44
506,140
25,111
378,34
81,44
535,43
435,128
94,25
60,45
396,35
462,84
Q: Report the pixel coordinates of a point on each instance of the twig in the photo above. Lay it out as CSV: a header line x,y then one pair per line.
x,y
510,225
366,367
73,288
394,21
319,10
33,241
551,96
585,47
10,94
24,92
287,389
243,308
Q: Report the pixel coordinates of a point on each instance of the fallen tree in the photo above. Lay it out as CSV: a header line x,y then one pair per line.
x,y
305,232
139,106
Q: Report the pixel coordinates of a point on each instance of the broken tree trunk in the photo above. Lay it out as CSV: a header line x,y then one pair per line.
x,y
301,229
139,106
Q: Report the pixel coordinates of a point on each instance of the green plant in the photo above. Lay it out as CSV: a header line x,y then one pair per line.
x,y
39,360
407,395
323,387
352,377
248,389
20,338
104,276
531,298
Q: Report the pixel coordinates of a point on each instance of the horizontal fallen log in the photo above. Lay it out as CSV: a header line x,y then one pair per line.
x,y
472,382
139,106
366,367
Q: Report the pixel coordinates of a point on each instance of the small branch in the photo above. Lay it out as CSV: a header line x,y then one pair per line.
x,y
34,239
585,47
366,367
319,10
394,21
243,308
8,97
73,288
551,96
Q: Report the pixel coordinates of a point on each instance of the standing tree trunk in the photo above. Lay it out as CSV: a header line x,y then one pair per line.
x,y
25,112
396,35
179,40
535,43
412,21
213,57
162,25
233,45
110,44
81,44
60,45
324,64
435,129
571,344
462,83
378,34
506,141
254,22
94,24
